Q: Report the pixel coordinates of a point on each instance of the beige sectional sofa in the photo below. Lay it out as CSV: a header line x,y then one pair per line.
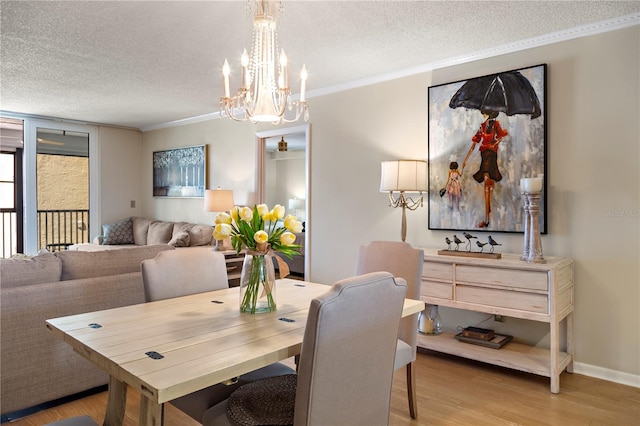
x,y
139,231
36,366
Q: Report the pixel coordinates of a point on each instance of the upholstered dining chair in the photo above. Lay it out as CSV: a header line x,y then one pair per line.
x,y
404,261
182,272
346,363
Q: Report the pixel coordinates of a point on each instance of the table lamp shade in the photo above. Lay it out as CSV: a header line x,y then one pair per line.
x,y
403,175
218,200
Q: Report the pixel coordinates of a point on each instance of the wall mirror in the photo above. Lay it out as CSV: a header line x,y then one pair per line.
x,y
284,177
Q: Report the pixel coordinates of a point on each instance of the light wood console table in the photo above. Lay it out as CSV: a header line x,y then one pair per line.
x,y
508,287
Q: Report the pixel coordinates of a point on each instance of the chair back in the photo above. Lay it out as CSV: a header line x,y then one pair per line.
x,y
401,260
346,363
181,272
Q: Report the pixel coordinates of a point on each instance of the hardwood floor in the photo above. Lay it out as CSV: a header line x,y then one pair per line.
x,y
451,391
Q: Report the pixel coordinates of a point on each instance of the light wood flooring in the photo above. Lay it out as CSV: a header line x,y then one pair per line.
x,y
451,391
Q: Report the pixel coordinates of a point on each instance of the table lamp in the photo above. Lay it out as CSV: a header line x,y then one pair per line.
x,y
218,200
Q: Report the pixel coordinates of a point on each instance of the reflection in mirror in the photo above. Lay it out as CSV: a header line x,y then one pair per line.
x,y
285,181
283,178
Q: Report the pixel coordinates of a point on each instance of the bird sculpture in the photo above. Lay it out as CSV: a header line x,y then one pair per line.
x,y
493,243
481,245
469,237
448,241
457,240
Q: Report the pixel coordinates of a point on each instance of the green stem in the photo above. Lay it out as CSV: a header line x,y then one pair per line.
x,y
256,282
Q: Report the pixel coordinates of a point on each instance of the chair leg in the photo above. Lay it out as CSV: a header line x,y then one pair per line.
x,y
411,391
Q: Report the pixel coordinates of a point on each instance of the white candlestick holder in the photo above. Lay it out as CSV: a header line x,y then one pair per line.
x,y
532,251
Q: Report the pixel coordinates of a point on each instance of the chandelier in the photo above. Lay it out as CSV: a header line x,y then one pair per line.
x,y
264,94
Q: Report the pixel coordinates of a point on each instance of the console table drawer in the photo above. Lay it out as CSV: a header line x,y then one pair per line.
x,y
438,271
529,302
527,280
436,289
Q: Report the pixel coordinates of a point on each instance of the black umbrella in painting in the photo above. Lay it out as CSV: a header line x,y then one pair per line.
x,y
509,92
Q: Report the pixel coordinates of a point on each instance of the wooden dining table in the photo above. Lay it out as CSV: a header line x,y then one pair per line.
x,y
173,347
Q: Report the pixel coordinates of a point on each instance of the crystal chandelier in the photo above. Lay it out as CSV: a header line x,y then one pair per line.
x,y
264,94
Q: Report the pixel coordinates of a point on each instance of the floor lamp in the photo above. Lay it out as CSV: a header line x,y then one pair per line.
x,y
404,176
218,200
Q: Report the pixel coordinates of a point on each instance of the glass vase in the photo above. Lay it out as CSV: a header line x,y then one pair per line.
x,y
434,316
257,284
429,320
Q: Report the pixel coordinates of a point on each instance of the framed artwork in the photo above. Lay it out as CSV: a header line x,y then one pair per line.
x,y
180,172
485,134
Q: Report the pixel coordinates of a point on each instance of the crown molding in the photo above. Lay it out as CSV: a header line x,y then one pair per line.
x,y
543,40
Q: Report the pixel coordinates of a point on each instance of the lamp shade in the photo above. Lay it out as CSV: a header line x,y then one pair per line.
x,y
403,175
218,200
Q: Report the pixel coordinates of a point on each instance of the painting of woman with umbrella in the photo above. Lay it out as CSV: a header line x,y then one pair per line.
x,y
502,115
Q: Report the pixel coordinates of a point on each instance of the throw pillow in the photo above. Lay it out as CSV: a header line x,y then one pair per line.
x,y
140,230
118,233
181,239
159,232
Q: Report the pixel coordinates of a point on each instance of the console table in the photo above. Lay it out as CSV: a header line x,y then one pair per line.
x,y
508,287
234,266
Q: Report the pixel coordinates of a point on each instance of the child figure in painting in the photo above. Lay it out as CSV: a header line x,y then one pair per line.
x,y
489,135
453,186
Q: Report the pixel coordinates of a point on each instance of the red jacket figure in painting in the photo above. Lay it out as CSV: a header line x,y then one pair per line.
x,y
489,135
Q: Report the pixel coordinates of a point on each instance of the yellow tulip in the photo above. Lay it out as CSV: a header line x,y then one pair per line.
x,y
261,237
278,212
246,214
287,238
222,231
223,218
263,210
290,221
235,213
297,228
269,217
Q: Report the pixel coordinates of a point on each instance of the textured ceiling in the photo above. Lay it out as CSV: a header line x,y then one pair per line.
x,y
140,64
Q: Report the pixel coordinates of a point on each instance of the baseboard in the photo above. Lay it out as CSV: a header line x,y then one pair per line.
x,y
607,374
10,417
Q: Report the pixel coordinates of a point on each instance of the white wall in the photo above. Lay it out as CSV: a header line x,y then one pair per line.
x,y
120,174
594,184
231,165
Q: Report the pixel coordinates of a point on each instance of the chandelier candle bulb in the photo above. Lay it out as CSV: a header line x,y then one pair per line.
x,y
225,73
283,70
303,83
244,60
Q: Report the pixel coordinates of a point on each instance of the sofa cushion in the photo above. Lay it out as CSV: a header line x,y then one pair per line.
x,y
181,239
200,235
118,233
140,230
88,264
43,268
159,232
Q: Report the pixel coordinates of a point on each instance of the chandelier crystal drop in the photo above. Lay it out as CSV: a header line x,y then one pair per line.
x,y
264,94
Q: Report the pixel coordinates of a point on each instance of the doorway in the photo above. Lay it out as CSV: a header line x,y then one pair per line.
x,y
61,181
283,176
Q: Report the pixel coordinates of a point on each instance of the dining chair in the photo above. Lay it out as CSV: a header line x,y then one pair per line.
x,y
404,261
182,272
346,363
